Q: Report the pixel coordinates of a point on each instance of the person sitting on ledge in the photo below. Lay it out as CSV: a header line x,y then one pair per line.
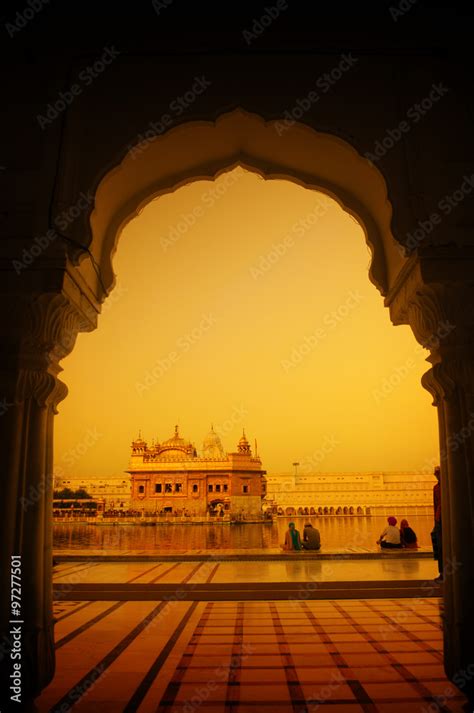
x,y
390,537
408,536
292,538
311,537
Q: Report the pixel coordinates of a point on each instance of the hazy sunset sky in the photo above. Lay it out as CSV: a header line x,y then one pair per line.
x,y
246,303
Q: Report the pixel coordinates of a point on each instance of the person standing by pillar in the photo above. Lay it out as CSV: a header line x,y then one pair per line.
x,y
436,534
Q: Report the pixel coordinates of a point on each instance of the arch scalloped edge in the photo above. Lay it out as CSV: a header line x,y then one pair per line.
x,y
233,134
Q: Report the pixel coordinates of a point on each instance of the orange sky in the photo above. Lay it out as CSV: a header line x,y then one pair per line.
x,y
246,303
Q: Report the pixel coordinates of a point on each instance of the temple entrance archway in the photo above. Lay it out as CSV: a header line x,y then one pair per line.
x,y
419,289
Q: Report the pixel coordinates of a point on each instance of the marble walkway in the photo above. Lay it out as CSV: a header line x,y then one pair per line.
x,y
380,655
211,635
260,554
210,570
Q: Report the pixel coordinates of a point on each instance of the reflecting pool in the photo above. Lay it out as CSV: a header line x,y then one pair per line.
x,y
335,532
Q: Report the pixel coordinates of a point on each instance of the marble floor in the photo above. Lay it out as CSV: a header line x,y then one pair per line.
x,y
209,570
373,655
251,552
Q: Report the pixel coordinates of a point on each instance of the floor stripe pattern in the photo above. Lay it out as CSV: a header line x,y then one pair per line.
x,y
298,656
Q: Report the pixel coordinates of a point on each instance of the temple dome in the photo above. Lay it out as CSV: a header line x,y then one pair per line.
x,y
176,440
176,444
212,446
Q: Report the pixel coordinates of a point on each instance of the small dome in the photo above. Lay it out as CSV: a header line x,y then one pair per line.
x,y
212,446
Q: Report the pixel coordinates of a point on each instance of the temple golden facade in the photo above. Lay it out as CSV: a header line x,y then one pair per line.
x,y
172,477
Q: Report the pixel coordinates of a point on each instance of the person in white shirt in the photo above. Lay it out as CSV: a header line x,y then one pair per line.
x,y
390,537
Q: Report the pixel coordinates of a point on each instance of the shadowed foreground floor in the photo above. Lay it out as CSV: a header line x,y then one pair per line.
x,y
279,656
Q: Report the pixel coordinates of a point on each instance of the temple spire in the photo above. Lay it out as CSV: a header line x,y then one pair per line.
x,y
243,445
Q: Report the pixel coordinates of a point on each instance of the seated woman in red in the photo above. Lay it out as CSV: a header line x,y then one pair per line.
x,y
408,536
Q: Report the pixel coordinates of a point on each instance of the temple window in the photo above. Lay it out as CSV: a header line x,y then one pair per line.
x,y
168,488
195,488
178,487
209,488
158,487
141,488
245,488
226,487
218,488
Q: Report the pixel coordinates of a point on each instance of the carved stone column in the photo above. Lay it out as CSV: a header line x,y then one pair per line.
x,y
435,295
36,333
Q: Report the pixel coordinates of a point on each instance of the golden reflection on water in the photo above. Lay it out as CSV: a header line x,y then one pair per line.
x,y
335,532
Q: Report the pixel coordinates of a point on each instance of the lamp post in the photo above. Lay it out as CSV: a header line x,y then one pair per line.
x,y
296,468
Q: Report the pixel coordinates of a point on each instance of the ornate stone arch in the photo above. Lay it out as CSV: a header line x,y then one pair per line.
x,y
203,150
433,291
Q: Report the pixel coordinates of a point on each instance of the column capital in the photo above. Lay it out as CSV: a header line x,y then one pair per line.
x,y
434,294
37,334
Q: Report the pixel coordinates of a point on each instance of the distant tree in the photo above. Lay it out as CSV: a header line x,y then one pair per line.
x,y
82,494
64,494
68,494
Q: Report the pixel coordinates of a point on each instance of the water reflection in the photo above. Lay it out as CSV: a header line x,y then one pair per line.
x,y
336,532
305,571
406,566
